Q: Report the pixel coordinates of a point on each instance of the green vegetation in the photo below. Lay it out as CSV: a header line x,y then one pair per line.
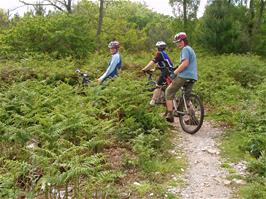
x,y
236,97
57,135
105,140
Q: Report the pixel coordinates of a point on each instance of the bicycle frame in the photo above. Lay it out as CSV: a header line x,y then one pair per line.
x,y
187,106
177,102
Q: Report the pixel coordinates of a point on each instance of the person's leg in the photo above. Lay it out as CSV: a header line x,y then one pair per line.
x,y
155,96
170,92
157,91
188,89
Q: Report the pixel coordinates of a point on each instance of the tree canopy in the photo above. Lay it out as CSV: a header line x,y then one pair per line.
x,y
226,27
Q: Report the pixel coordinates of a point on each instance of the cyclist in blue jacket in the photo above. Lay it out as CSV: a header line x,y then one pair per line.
x,y
165,65
115,62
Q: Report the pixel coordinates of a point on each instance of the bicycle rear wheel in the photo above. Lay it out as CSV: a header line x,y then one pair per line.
x,y
192,119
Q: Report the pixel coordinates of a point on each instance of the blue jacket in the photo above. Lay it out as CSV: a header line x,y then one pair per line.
x,y
115,63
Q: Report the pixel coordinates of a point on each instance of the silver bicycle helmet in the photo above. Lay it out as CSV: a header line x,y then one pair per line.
x,y
113,44
161,45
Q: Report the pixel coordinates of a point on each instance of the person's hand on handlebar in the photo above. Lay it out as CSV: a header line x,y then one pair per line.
x,y
148,71
99,81
148,66
144,70
172,75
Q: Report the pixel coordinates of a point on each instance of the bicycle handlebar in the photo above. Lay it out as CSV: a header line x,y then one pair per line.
x,y
84,76
148,73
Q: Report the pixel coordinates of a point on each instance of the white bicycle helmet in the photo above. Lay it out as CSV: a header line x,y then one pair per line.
x,y
161,45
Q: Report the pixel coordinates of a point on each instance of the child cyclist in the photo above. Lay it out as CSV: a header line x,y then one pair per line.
x,y
115,62
165,65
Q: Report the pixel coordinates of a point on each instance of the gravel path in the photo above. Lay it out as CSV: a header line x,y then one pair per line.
x,y
205,178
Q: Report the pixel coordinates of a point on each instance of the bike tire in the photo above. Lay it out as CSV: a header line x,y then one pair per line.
x,y
193,120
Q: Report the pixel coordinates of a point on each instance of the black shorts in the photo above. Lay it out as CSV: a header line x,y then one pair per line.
x,y
162,78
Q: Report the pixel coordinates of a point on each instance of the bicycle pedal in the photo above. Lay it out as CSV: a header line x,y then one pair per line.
x,y
176,114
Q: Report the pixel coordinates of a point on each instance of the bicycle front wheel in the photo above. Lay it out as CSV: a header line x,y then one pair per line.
x,y
192,119
151,86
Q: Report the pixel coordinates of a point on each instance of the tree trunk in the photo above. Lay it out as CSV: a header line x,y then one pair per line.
x,y
261,11
252,17
69,6
100,20
185,14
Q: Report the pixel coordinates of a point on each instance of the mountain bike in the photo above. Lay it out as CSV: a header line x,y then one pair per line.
x,y
83,78
187,107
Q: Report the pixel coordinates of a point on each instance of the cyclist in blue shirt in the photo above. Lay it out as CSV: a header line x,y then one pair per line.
x,y
187,70
115,62
165,65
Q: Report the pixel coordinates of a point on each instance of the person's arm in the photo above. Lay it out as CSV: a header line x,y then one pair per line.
x,y
148,66
154,61
182,66
110,69
184,61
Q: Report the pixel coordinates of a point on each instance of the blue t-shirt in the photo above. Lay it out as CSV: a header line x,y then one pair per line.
x,y
190,72
114,64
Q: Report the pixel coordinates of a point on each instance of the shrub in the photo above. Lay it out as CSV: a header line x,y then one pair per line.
x,y
60,35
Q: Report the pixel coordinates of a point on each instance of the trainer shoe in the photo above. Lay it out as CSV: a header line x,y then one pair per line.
x,y
152,102
169,117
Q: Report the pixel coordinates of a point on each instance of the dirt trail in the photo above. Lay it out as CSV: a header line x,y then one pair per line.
x,y
205,178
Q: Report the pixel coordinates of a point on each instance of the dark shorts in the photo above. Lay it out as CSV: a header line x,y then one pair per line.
x,y
162,78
